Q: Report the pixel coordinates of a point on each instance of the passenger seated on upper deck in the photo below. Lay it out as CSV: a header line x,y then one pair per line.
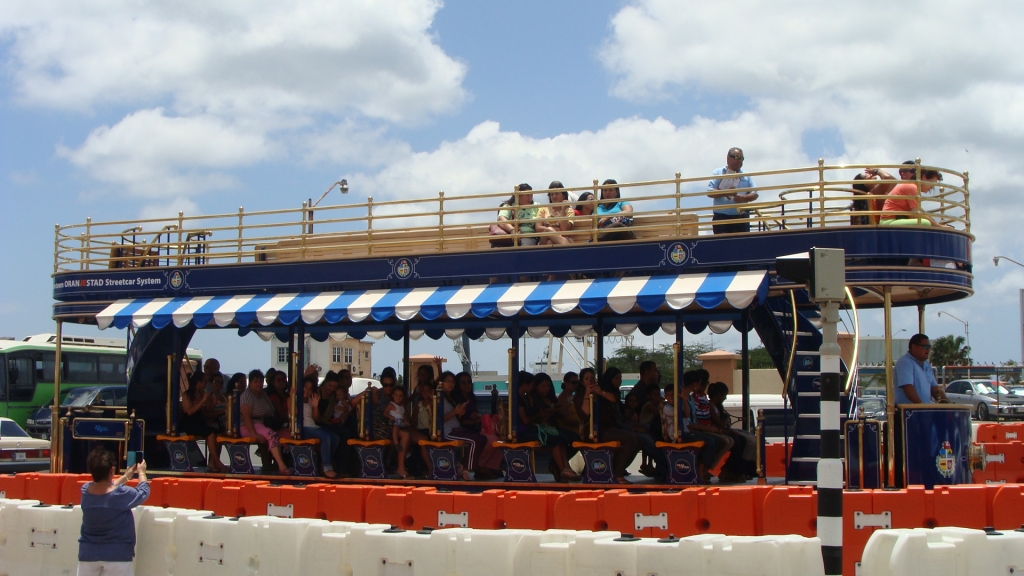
x,y
526,211
870,189
585,208
614,213
725,203
905,210
536,421
560,209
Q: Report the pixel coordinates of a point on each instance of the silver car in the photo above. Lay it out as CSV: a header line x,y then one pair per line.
x,y
988,398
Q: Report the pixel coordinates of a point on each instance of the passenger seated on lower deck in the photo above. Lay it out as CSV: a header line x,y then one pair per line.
x,y
329,441
537,421
216,406
709,452
453,430
192,421
570,403
402,432
614,214
611,427
901,208
255,407
472,420
521,207
745,441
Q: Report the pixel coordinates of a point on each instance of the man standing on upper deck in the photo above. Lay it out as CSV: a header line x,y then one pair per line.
x,y
725,203
915,381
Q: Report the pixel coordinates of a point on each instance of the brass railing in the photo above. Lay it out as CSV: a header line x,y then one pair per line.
x,y
810,197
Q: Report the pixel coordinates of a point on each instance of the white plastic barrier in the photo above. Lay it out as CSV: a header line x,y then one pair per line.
x,y
41,540
549,552
704,555
490,552
395,552
943,552
248,546
327,547
38,541
154,535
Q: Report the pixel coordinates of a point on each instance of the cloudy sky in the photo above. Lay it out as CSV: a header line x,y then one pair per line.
x,y
118,110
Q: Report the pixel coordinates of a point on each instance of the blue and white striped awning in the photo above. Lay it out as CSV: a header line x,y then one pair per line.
x,y
649,294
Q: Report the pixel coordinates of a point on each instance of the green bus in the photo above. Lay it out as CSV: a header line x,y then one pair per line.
x,y
26,383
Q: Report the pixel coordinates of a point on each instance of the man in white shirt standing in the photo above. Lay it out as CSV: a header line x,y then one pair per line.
x,y
725,202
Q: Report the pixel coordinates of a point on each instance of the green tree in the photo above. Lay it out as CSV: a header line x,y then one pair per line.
x,y
629,358
760,359
950,350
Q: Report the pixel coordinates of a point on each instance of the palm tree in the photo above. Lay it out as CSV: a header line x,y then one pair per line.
x,y
950,351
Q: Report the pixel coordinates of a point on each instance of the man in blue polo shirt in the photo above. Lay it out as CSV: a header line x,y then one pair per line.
x,y
726,202
915,381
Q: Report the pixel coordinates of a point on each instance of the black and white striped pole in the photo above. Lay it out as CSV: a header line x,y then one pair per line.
x,y
830,467
823,270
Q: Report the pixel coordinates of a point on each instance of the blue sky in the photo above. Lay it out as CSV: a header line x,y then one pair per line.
x,y
119,111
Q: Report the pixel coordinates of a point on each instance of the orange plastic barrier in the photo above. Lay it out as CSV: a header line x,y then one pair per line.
x,y
486,509
962,506
71,491
345,503
683,509
1000,432
1010,469
13,486
732,510
790,510
530,510
1008,507
855,539
386,505
44,486
254,499
224,497
186,493
775,460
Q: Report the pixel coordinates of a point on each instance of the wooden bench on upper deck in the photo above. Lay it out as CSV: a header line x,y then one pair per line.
x,y
455,238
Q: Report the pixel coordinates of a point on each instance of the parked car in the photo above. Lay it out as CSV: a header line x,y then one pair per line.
x,y
38,422
20,452
873,407
988,398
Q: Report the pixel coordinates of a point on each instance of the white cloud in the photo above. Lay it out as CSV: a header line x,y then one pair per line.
x,y
154,155
933,80
220,86
235,59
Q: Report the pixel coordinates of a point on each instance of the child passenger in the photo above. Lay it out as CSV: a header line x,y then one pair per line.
x,y
400,430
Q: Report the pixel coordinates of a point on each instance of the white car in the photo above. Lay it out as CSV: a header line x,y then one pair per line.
x,y
20,452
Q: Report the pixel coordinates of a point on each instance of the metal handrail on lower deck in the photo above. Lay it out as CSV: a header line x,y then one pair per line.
x,y
815,197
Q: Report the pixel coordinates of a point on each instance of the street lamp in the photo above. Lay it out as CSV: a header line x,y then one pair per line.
x,y
995,261
967,330
342,186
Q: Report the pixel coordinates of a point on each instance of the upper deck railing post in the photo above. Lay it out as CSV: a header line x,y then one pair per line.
x,y
440,218
679,224
967,205
181,225
302,254
515,216
81,251
241,212
369,225
821,192
88,240
593,214
56,245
